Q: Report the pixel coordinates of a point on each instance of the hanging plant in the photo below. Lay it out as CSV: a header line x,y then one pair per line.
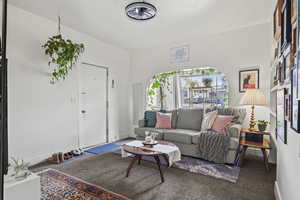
x,y
63,54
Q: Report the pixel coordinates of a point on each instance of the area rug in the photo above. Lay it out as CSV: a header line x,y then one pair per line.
x,y
56,185
103,148
199,166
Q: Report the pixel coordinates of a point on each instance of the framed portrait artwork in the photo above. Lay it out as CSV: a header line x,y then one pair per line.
x,y
295,103
281,123
249,79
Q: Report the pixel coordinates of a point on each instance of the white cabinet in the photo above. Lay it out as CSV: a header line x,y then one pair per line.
x,y
29,188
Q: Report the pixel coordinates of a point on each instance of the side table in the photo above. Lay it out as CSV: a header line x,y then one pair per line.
x,y
263,146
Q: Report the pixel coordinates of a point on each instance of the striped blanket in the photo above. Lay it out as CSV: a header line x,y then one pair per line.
x,y
214,146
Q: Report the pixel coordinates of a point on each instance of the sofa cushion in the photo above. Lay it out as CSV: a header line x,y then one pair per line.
x,y
141,132
180,135
163,120
150,118
221,122
189,119
174,118
234,142
208,120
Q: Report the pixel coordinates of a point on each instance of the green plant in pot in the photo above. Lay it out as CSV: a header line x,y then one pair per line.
x,y
207,82
262,125
63,54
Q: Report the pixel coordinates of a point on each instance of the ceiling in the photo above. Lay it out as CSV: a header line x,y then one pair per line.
x,y
175,20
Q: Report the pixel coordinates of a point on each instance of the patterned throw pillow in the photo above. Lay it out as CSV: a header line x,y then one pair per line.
x,y
221,122
163,120
208,120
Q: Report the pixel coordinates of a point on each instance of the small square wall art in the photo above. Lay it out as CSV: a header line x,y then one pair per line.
x,y
249,79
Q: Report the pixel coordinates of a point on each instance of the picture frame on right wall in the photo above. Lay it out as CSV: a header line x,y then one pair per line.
x,y
295,121
298,76
281,120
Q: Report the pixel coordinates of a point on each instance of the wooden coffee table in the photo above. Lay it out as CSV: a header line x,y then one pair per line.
x,y
139,152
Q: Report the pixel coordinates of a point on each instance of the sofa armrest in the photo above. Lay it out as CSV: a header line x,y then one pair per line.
x,y
234,130
141,123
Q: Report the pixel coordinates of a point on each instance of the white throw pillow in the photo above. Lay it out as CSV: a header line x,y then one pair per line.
x,y
208,120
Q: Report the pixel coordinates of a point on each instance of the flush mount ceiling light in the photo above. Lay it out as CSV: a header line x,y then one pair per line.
x,y
140,11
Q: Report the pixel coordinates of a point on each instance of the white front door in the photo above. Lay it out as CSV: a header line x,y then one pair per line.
x,y
93,105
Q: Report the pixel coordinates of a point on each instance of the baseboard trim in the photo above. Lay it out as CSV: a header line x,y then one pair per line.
x,y
38,159
277,191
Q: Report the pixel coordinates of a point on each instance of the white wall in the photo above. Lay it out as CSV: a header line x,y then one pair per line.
x,y
229,52
43,118
288,171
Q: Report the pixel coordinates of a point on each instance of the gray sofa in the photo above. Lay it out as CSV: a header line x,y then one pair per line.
x,y
186,128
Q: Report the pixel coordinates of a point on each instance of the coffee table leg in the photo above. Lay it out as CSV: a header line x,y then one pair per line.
x,y
139,161
134,159
166,159
158,164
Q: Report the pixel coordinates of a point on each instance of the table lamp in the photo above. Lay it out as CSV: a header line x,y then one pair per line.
x,y
253,97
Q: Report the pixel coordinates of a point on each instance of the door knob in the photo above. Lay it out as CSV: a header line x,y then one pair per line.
x,y
83,111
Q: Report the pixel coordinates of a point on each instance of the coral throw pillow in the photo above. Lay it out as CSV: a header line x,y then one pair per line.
x,y
221,122
163,120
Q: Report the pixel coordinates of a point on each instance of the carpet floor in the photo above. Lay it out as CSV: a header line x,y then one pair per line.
x,y
108,171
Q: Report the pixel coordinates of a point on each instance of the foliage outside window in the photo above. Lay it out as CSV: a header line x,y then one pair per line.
x,y
160,87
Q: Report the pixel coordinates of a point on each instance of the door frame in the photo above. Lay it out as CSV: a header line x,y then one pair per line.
x,y
107,99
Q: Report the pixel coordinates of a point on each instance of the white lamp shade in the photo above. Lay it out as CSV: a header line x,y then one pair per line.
x,y
254,97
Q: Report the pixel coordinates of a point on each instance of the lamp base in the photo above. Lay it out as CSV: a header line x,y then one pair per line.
x,y
252,122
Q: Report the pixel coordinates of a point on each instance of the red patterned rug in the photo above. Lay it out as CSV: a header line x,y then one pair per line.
x,y
56,185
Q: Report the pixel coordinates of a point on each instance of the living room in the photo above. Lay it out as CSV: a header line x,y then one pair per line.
x,y
89,123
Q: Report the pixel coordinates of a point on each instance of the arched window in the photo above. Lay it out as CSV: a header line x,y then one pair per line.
x,y
198,87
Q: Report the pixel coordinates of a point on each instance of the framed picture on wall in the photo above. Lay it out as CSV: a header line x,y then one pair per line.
x,y
248,79
294,10
281,121
298,76
286,105
180,54
286,26
295,103
287,66
281,71
294,42
276,23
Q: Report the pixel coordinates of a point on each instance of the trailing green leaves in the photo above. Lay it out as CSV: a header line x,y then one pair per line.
x,y
63,54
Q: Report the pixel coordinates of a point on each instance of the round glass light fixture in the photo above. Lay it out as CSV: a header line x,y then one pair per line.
x,y
140,11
